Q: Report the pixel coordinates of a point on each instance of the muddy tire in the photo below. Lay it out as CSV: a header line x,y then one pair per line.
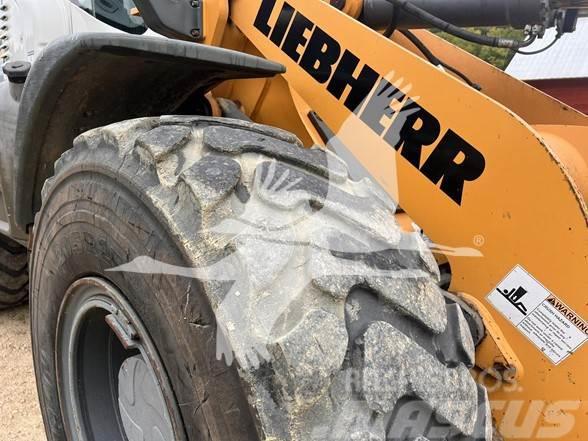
x,y
281,298
14,277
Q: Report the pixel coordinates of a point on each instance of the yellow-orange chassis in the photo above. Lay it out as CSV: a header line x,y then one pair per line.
x,y
499,173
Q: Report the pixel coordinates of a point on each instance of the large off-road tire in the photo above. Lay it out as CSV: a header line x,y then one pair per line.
x,y
14,276
273,297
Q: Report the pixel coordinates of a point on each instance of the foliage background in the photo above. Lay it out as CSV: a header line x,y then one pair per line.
x,y
498,57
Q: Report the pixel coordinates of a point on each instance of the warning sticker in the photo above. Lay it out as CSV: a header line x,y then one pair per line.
x,y
542,317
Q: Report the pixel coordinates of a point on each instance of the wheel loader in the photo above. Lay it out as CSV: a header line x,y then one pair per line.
x,y
293,220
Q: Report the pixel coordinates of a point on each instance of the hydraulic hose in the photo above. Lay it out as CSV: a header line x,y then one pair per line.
x,y
464,34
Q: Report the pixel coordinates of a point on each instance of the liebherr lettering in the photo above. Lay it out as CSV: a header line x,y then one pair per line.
x,y
452,163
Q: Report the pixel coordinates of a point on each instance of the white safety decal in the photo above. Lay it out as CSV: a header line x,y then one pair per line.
x,y
538,314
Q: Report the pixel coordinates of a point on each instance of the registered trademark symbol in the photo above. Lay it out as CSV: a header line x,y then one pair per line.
x,y
479,240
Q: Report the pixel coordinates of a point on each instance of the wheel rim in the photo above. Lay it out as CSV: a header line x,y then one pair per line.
x,y
112,383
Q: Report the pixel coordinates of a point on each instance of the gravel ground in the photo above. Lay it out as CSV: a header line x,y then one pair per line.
x,y
20,418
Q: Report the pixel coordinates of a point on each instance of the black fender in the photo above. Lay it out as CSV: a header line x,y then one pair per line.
x,y
90,80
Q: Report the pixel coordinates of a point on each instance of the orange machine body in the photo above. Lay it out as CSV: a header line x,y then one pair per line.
x,y
501,171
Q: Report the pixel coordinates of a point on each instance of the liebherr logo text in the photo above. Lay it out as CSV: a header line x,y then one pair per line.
x,y
452,163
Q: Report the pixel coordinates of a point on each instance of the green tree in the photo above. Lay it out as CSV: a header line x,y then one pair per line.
x,y
496,56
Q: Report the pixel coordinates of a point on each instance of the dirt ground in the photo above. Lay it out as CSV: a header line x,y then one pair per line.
x,y
20,418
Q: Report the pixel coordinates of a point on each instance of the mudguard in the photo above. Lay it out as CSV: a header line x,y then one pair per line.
x,y
91,80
